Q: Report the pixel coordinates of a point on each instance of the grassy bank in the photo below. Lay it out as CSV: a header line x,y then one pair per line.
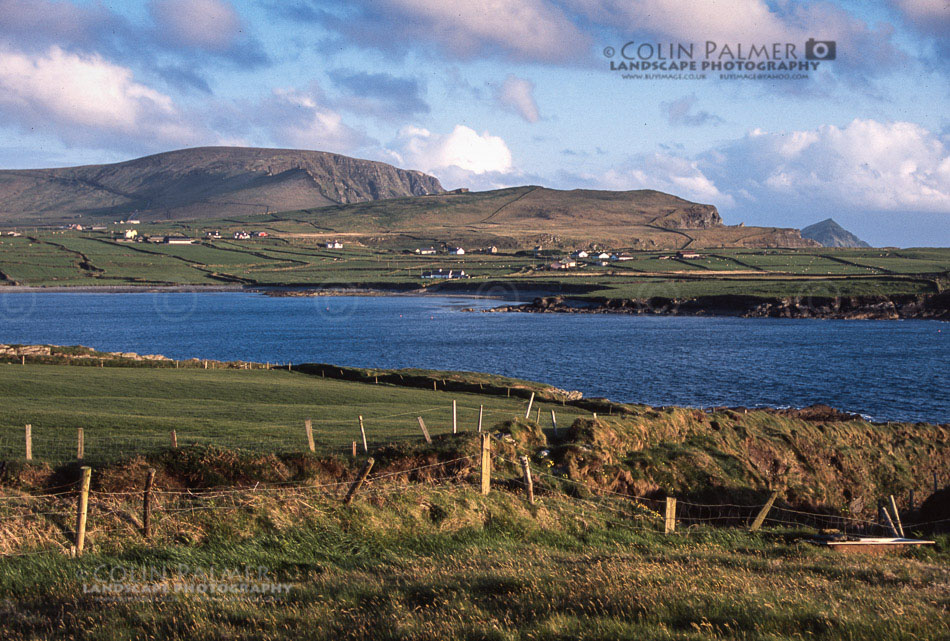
x,y
243,509
425,563
818,458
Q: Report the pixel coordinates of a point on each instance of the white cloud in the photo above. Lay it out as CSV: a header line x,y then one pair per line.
x,y
212,25
663,172
522,29
463,149
517,95
894,166
298,119
85,97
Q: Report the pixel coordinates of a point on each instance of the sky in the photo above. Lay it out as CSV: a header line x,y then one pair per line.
x,y
851,121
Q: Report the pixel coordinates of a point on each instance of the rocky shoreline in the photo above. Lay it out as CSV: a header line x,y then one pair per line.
x,y
895,307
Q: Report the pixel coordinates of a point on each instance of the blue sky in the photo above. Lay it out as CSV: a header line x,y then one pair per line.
x,y
495,93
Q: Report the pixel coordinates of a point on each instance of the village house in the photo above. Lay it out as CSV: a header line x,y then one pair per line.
x,y
688,254
213,234
457,251
580,254
492,250
425,251
602,256
241,235
564,263
178,240
334,244
262,234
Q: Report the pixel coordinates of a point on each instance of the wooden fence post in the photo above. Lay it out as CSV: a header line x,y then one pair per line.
x,y
174,440
358,483
897,516
455,422
354,449
760,517
363,434
486,464
434,388
890,522
527,414
147,503
82,507
425,432
481,411
554,422
528,484
29,442
669,524
308,426
80,445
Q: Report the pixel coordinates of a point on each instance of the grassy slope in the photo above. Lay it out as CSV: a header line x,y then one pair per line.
x,y
633,449
68,259
439,561
425,563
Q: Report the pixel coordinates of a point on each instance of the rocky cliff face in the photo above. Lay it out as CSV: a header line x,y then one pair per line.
x,y
203,182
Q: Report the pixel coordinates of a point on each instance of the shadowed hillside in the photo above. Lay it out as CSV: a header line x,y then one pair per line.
x,y
201,183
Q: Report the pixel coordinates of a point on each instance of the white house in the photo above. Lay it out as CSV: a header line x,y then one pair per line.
x,y
130,234
178,240
425,251
603,256
580,254
458,251
334,244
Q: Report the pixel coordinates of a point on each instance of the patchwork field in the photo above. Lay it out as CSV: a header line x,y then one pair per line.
x,y
47,258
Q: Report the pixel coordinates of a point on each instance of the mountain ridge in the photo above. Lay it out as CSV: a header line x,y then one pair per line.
x,y
200,182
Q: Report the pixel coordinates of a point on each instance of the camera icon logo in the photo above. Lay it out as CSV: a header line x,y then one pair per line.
x,y
820,49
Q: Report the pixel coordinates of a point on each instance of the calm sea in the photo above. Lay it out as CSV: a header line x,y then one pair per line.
x,y
887,370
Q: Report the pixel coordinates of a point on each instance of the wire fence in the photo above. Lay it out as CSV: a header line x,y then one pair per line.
x,y
45,521
330,435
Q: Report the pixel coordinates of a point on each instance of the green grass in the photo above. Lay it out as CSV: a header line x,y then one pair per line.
x,y
420,554
72,258
431,563
135,409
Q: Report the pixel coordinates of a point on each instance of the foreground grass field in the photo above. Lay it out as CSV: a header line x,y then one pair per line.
x,y
47,258
427,562
255,542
